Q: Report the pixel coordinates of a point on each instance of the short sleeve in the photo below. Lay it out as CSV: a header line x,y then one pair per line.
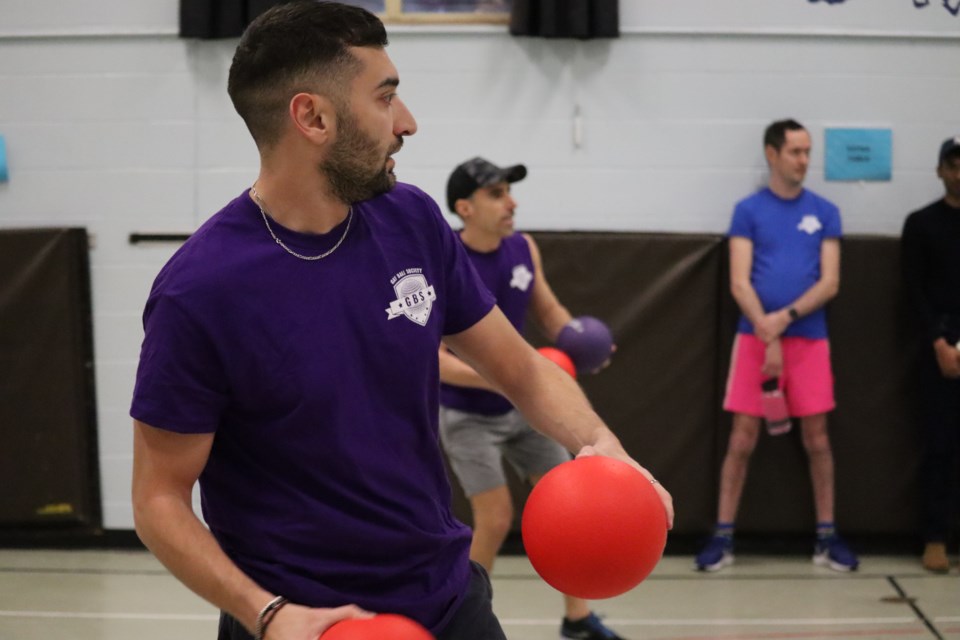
x,y
180,384
742,223
833,227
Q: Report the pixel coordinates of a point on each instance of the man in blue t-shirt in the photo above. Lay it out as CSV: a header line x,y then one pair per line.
x,y
784,267
479,427
289,361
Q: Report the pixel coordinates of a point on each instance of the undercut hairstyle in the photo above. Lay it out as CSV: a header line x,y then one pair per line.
x,y
300,46
776,133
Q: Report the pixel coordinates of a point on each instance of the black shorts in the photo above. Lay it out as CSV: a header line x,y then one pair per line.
x,y
474,619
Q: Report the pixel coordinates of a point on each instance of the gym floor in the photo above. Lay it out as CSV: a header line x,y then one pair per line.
x,y
128,595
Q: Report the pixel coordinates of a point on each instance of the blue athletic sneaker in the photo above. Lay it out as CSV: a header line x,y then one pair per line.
x,y
716,554
833,552
590,628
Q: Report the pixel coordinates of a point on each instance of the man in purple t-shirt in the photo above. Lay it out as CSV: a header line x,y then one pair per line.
x,y
479,427
289,361
784,267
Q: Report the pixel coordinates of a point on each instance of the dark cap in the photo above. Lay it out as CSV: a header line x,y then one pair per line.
x,y
949,146
476,173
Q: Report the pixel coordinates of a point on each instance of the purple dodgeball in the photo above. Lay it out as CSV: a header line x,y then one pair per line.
x,y
587,341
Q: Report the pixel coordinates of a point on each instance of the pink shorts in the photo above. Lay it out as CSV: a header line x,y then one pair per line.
x,y
807,379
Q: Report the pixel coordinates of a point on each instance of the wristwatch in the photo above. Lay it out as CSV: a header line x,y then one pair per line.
x,y
793,313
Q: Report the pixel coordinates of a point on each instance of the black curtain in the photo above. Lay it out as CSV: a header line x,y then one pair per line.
x,y
49,465
582,19
219,18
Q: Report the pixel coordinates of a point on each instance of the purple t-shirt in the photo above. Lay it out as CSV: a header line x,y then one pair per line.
x,y
320,380
508,273
787,236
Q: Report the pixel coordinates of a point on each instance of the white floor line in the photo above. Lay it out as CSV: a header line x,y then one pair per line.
x,y
518,622
109,616
706,622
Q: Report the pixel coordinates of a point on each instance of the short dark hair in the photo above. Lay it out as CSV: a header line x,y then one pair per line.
x,y
776,133
949,150
293,47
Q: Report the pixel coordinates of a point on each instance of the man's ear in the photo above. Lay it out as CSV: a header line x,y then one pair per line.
x,y
463,207
770,153
313,116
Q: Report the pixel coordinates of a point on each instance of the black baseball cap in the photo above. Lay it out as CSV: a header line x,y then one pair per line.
x,y
949,146
476,173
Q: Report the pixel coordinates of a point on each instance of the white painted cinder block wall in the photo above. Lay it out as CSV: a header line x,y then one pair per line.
x,y
113,123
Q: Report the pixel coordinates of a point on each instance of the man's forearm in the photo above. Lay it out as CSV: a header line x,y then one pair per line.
x,y
815,297
555,405
749,302
456,372
174,534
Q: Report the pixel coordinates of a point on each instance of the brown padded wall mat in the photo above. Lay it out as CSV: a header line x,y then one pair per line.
x,y
666,298
876,433
659,294
48,461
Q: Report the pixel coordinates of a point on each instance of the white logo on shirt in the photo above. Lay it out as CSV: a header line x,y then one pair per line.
x,y
521,277
414,296
810,224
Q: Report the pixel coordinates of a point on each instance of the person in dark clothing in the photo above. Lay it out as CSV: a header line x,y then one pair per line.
x,y
931,263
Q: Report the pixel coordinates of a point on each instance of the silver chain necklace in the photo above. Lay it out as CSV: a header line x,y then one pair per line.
x,y
266,221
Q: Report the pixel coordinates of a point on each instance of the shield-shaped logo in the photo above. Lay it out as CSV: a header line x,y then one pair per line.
x,y
414,299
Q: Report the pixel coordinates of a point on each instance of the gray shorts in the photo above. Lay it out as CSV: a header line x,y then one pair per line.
x,y
476,445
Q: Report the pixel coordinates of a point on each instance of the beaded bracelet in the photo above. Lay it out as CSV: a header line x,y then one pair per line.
x,y
267,613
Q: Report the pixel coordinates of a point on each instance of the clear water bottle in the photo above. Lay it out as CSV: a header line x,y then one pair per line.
x,y
775,413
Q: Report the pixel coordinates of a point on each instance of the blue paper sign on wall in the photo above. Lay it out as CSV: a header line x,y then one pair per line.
x,y
4,175
859,154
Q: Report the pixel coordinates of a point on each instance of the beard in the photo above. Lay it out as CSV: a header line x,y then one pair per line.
x,y
953,190
356,167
